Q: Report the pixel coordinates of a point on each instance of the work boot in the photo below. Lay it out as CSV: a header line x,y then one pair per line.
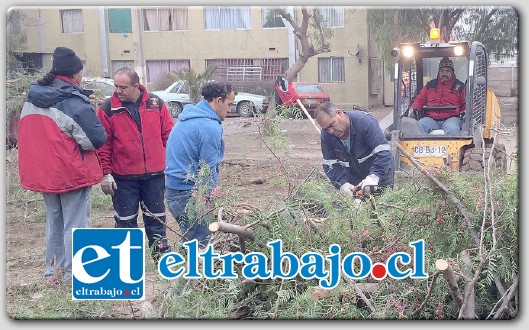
x,y
159,248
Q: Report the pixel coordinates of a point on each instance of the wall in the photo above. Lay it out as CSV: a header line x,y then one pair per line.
x,y
355,90
503,81
197,45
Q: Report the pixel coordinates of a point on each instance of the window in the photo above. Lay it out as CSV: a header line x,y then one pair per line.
x,y
118,64
271,20
71,20
164,19
331,69
119,20
227,18
332,16
32,61
244,73
157,71
270,68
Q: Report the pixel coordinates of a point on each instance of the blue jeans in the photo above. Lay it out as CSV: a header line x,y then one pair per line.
x,y
451,126
177,201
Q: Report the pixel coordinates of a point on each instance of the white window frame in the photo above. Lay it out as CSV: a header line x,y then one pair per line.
x,y
172,65
155,21
333,16
227,18
331,70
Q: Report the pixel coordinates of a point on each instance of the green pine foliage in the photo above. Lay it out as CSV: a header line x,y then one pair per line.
x,y
410,212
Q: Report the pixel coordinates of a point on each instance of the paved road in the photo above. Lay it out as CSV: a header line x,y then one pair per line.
x,y
386,121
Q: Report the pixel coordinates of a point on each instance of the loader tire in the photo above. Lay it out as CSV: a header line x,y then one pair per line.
x,y
473,159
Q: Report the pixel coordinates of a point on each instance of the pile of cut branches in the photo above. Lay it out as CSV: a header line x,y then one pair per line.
x,y
468,277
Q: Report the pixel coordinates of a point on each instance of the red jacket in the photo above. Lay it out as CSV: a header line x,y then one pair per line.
x,y
129,150
438,93
57,134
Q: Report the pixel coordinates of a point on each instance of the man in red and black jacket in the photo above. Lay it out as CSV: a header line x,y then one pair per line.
x,y
445,90
133,158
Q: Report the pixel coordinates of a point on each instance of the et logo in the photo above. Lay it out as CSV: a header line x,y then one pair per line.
x,y
108,264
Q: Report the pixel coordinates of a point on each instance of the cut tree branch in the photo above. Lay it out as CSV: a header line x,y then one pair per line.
x,y
453,199
230,228
451,278
506,299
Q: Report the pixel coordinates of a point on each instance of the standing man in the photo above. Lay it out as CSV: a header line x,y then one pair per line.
x,y
356,154
194,151
133,158
445,90
58,133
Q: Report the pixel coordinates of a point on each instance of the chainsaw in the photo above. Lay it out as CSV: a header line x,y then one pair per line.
x,y
367,193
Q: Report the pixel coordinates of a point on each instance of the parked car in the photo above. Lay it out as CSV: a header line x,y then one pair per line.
x,y
176,97
103,88
311,95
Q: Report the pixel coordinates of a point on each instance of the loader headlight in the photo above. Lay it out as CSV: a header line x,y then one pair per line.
x,y
458,50
407,51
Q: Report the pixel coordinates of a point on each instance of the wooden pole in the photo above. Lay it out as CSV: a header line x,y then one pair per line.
x,y
308,115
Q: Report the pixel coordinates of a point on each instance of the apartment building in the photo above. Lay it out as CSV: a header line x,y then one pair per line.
x,y
245,42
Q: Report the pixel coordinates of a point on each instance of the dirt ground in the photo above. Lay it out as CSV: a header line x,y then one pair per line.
x,y
251,173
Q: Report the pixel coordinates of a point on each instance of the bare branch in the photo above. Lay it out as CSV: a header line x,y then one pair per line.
x,y
428,294
455,201
513,289
149,213
361,294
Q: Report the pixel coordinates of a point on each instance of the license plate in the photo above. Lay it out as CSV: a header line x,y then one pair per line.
x,y
429,151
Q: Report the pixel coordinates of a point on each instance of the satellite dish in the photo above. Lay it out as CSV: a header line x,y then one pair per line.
x,y
357,50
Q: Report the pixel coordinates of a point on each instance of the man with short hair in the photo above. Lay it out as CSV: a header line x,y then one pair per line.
x,y
133,158
194,152
445,90
58,134
356,154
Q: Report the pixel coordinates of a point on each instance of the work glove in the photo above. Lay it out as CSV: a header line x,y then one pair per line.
x,y
370,183
347,189
108,185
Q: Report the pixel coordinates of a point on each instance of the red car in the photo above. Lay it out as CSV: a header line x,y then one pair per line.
x,y
311,95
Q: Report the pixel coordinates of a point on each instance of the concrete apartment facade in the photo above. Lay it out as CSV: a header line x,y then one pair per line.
x,y
155,40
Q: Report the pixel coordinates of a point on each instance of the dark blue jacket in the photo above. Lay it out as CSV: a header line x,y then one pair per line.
x,y
369,154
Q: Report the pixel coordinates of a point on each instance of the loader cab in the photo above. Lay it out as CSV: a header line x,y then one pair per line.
x,y
415,65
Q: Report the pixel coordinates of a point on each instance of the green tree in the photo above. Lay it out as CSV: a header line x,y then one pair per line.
x,y
495,27
16,40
